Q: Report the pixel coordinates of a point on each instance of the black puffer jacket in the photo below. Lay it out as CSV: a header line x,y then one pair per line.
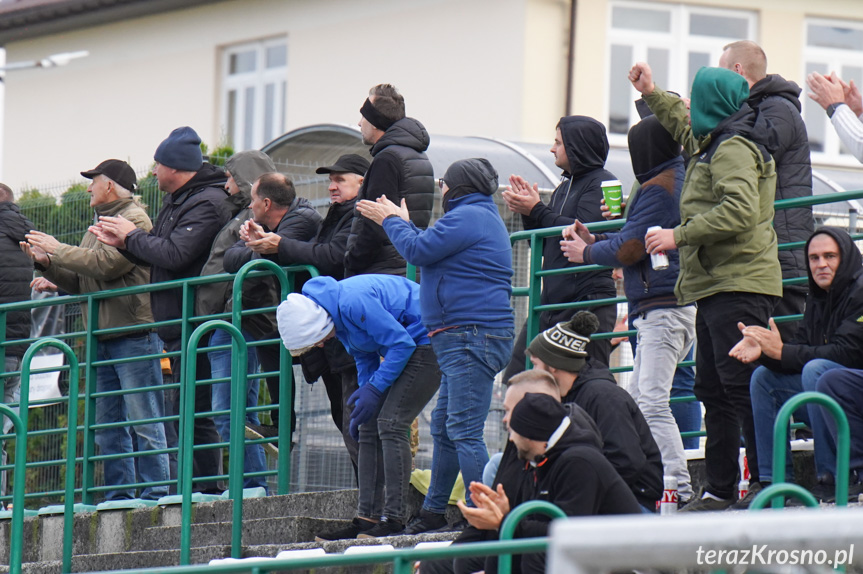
x,y
832,326
179,243
577,197
627,441
327,250
16,272
399,169
779,101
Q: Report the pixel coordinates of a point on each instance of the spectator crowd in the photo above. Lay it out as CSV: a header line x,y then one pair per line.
x,y
708,172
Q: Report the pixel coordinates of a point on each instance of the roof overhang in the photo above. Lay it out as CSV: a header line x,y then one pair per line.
x,y
25,19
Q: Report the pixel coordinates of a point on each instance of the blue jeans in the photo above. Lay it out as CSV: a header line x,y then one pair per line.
x,y
770,390
384,452
220,366
469,357
131,407
846,387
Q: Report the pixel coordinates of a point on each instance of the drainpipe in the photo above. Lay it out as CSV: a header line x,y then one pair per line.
x,y
570,59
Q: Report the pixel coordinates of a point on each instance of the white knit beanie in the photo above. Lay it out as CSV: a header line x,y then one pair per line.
x,y
302,322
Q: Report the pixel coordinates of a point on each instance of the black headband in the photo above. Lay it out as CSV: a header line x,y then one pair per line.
x,y
374,117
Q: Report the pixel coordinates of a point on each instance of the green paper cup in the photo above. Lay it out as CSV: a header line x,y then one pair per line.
x,y
612,192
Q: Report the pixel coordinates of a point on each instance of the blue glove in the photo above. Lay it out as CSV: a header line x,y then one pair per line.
x,y
365,401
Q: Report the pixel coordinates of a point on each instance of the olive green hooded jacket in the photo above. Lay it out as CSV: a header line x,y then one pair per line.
x,y
725,238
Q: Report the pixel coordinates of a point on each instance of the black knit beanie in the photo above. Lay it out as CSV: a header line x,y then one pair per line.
x,y
536,416
563,346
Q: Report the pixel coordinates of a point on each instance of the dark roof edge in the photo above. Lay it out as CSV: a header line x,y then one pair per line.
x,y
42,19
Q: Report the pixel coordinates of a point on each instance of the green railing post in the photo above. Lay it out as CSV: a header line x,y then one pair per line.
x,y
285,284
71,433
238,413
843,442
91,351
16,528
507,530
778,491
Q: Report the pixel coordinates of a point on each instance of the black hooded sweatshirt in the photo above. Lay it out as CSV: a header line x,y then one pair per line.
x,y
577,197
779,101
832,326
627,441
575,476
399,169
16,272
179,243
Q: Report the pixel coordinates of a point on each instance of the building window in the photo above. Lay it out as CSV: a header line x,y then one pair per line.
x,y
254,93
675,40
830,46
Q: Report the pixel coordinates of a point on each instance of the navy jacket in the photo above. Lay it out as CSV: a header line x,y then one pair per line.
x,y
466,262
375,316
656,203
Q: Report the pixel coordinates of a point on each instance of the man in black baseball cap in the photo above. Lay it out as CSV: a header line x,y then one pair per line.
x,y
116,170
94,266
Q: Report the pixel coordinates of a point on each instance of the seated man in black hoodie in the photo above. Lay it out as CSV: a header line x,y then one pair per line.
x,y
627,441
580,150
600,489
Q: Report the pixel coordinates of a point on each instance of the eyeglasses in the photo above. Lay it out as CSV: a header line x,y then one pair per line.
x,y
441,183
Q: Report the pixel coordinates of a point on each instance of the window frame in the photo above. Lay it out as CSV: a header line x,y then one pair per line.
x,y
240,136
678,41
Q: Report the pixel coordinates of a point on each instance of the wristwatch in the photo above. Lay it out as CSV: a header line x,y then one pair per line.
x,y
831,109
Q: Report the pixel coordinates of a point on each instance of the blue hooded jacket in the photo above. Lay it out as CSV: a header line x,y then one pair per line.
x,y
466,261
375,316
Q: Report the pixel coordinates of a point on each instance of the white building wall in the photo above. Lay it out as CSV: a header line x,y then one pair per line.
x,y
460,64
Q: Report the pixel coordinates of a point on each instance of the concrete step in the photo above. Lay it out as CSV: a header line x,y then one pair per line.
x,y
287,530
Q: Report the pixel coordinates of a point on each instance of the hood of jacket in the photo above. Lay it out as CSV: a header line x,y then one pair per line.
x,y
650,146
324,290
407,132
208,176
469,176
774,85
717,93
850,263
247,166
14,227
571,437
585,142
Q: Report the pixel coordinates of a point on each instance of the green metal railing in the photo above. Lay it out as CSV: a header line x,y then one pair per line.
x,y
16,530
401,559
90,363
71,432
532,291
780,443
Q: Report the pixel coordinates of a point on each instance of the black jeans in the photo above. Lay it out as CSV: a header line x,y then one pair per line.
x,y
793,299
722,385
206,462
598,350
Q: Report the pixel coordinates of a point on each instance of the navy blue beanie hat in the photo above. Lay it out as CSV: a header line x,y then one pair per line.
x,y
181,150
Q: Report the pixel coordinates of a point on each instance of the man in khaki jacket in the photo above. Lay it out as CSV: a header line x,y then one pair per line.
x,y
95,266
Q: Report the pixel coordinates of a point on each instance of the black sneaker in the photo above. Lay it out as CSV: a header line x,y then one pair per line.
x,y
356,526
386,527
427,522
754,489
825,490
706,504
